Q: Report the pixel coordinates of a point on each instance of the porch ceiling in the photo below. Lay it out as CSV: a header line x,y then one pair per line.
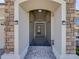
x,y
39,4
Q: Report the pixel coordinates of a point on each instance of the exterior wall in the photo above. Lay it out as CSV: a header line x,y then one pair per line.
x,y
59,1
16,18
2,37
57,30
2,41
9,31
63,8
70,43
23,30
70,40
59,27
9,26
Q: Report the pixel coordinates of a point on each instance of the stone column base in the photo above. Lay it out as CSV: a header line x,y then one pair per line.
x,y
10,56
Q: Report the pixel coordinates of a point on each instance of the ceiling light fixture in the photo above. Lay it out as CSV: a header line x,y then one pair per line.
x,y
39,10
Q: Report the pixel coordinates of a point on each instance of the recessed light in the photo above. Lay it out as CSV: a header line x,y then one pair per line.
x,y
39,10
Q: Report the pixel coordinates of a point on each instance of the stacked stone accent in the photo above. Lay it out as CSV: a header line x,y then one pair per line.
x,y
9,26
70,38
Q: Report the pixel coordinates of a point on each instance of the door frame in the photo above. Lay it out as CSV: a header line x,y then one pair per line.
x,y
35,26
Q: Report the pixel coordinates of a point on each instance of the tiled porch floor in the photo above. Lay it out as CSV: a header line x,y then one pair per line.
x,y
40,52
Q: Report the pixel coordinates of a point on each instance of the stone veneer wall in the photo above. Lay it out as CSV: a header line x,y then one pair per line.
x,y
70,38
9,26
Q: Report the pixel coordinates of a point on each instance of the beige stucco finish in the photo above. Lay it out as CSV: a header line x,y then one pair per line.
x,y
2,13
40,4
58,1
2,18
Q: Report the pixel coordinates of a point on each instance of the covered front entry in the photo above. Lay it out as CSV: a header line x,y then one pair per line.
x,y
40,28
38,23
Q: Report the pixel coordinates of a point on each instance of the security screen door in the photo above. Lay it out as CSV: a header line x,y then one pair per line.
x,y
40,30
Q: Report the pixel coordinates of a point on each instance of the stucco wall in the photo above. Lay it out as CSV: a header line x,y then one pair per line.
x,y
56,30
59,1
23,30
2,41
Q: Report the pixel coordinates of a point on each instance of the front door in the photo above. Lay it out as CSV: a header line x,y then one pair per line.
x,y
39,29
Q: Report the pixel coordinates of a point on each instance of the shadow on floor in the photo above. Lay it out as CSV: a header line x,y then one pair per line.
x,y
40,41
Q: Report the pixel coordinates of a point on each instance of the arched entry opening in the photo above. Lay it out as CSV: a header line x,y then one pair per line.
x,y
32,18
40,27
22,35
34,7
